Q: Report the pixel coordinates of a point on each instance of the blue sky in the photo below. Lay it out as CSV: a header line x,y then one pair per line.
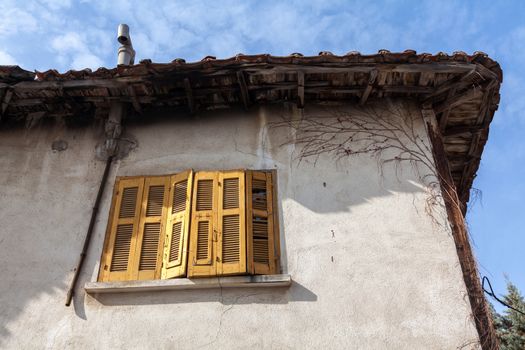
x,y
66,34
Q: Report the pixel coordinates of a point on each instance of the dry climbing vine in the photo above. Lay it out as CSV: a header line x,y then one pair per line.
x,y
387,132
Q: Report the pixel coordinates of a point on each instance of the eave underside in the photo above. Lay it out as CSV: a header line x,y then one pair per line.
x,y
463,90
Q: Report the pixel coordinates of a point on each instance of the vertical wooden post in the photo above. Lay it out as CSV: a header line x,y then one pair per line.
x,y
478,303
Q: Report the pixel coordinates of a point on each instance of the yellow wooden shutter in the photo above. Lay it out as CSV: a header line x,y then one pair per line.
x,y
260,223
203,233
178,225
231,223
149,243
117,258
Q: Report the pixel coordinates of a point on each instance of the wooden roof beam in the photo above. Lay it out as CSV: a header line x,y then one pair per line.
x,y
455,84
444,116
300,89
245,96
5,101
458,130
485,102
472,152
368,89
189,95
425,78
134,101
457,99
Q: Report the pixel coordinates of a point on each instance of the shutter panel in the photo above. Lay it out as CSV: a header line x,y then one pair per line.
x,y
117,258
150,239
231,218
178,225
202,260
260,221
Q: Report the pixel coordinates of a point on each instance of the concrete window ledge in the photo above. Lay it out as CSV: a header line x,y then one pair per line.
x,y
186,283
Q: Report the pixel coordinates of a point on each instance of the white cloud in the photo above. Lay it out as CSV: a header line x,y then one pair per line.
x,y
86,60
6,59
73,47
69,42
14,20
57,4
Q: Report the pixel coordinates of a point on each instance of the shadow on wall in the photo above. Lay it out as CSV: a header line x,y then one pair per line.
x,y
43,211
319,150
226,296
48,176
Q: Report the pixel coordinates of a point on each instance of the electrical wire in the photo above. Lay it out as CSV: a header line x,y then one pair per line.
x,y
491,293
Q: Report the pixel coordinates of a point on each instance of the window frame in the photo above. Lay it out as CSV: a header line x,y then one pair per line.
x,y
115,200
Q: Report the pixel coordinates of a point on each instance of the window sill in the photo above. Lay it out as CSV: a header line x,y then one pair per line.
x,y
186,283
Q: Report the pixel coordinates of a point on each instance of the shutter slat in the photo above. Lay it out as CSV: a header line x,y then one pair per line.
x,y
120,259
204,195
231,194
202,239
150,244
230,239
260,251
155,201
179,196
175,241
260,227
128,203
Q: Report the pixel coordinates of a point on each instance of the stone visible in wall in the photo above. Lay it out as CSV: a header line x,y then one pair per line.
x,y
59,146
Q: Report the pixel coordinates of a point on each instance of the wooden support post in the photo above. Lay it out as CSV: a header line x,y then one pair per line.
x,y
485,102
474,143
5,102
463,129
245,97
371,80
478,304
300,89
444,116
457,99
425,78
452,84
189,95
134,100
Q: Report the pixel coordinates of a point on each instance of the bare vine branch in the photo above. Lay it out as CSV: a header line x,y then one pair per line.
x,y
387,132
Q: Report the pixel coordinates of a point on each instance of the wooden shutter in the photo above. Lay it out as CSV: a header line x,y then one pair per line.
x,y
178,225
149,243
203,233
231,218
117,258
260,223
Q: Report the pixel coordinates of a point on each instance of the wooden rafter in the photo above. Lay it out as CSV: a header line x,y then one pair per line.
x,y
5,101
189,95
465,89
245,96
300,89
368,89
425,78
134,101
458,99
450,84
444,116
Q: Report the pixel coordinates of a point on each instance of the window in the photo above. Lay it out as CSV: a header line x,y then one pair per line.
x,y
208,223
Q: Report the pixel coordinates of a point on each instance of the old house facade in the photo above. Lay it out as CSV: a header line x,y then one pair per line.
x,y
252,202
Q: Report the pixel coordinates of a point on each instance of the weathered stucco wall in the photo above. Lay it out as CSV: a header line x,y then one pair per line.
x,y
371,268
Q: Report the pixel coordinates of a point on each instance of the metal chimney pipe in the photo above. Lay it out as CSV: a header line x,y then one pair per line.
x,y
126,54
